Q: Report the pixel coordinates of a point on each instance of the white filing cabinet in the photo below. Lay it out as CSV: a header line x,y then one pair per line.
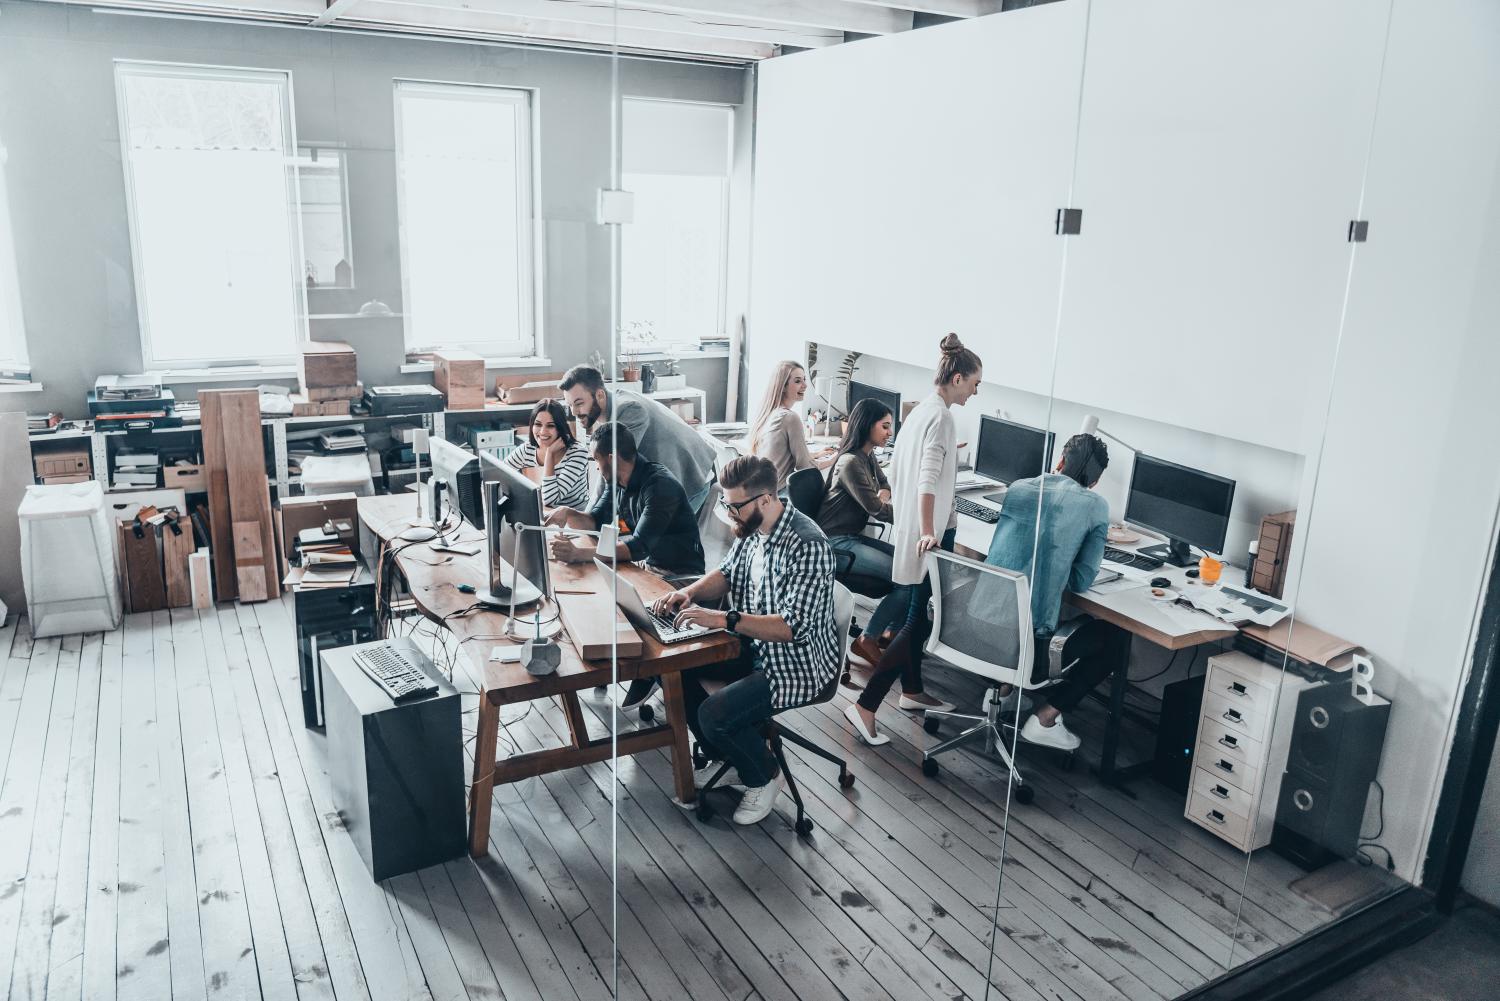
x,y
1240,753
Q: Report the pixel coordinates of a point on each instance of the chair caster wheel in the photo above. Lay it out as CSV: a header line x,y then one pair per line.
x,y
930,767
1025,795
930,725
648,712
700,760
704,811
846,780
804,827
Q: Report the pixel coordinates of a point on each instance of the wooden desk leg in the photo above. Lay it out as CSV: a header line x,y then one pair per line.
x,y
1119,683
682,760
483,786
574,713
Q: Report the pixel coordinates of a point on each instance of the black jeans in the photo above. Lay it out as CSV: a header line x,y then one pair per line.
x,y
1100,648
903,658
727,723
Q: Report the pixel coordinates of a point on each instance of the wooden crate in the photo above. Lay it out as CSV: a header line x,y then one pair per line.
x,y
322,394
69,462
302,406
325,364
1268,575
459,376
190,477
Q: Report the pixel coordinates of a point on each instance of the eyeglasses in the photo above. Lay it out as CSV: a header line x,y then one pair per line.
x,y
730,505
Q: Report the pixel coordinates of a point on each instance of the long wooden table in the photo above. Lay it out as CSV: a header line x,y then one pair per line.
x,y
432,579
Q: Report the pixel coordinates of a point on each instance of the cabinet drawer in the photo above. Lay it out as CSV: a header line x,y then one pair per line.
x,y
1218,762
1246,717
1225,739
1240,688
1211,815
1222,792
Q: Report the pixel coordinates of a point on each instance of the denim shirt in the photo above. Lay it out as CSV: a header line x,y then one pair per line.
x,y
1069,549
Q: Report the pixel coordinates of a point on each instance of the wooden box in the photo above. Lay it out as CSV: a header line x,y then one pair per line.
x,y
303,406
322,394
459,376
191,478
327,363
1268,575
70,462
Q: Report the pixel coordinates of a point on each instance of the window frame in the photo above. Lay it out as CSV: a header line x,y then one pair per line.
x,y
293,208
346,217
15,356
527,101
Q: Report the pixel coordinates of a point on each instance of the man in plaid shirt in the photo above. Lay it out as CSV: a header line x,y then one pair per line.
x,y
779,579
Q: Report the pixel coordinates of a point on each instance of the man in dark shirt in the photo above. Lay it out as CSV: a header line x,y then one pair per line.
x,y
657,525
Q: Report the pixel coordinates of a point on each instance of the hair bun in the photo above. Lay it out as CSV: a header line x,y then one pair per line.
x,y
951,345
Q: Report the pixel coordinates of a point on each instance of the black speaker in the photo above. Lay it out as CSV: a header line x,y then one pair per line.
x,y
1181,706
1333,758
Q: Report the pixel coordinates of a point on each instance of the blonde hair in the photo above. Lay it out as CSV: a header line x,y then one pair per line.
x,y
956,360
771,402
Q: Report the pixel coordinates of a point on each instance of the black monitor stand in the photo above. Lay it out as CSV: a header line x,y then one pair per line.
x,y
1173,551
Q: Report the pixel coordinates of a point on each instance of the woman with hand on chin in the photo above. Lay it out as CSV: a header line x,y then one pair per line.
x,y
777,433
563,459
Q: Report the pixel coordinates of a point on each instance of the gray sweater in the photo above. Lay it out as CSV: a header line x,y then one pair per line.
x,y
854,496
662,436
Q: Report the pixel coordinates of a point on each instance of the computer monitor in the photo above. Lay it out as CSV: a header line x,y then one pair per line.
x,y
455,471
1007,451
892,399
512,500
1188,506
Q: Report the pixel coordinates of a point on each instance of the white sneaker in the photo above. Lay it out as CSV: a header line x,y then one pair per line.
x,y
758,802
1007,705
731,779
875,739
1056,735
922,702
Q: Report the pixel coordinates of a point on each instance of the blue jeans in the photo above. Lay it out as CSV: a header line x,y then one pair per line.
x,y
866,557
895,608
727,723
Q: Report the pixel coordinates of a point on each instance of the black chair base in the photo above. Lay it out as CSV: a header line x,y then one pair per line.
x,y
775,735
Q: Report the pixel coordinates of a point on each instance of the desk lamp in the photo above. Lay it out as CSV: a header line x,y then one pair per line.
x,y
542,631
1091,426
422,529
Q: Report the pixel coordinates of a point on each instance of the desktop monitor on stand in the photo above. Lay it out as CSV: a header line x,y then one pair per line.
x,y
456,471
892,399
515,543
1188,506
1007,451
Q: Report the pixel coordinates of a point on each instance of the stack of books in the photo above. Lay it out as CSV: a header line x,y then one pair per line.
x,y
136,470
326,560
43,422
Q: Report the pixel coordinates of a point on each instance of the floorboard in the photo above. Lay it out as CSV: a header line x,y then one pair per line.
x,y
168,831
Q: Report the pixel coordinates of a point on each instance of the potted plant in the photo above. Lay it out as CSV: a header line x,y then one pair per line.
x,y
637,340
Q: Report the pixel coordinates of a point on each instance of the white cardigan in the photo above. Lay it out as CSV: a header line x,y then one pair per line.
x,y
926,461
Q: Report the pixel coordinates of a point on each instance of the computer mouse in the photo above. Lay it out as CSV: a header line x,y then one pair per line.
x,y
1193,573
1161,582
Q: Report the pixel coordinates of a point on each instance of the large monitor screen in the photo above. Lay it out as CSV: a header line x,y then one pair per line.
x,y
892,399
1184,504
1007,451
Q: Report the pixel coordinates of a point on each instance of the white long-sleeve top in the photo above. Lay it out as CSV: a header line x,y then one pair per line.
x,y
926,462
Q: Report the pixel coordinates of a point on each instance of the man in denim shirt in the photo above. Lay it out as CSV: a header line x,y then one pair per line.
x,y
1068,550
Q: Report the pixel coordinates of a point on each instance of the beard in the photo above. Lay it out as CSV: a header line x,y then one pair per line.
x,y
744,528
595,412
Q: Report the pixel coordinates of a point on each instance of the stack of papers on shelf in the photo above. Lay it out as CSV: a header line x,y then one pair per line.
x,y
127,387
324,551
136,469
341,440
317,578
43,422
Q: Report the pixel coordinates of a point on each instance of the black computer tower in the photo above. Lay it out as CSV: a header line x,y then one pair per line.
x,y
1177,732
1333,758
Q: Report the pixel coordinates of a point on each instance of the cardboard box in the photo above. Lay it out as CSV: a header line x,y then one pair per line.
x,y
191,478
297,513
324,364
69,462
302,406
459,376
322,394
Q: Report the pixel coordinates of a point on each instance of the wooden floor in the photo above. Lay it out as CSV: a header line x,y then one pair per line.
x,y
167,832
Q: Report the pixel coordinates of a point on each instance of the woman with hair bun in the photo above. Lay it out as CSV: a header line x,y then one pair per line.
x,y
922,473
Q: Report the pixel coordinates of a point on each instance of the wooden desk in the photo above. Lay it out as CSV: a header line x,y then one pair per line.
x,y
431,578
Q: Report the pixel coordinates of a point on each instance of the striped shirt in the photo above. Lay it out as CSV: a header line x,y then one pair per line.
x,y
568,486
788,572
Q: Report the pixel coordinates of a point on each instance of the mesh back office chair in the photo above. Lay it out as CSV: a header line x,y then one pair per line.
x,y
776,734
982,625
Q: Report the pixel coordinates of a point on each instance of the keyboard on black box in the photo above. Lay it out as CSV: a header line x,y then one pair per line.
x,y
390,669
1128,559
974,509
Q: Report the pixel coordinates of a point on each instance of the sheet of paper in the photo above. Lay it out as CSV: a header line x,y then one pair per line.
x,y
1114,586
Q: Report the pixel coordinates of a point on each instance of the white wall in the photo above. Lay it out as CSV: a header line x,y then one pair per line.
x,y
894,178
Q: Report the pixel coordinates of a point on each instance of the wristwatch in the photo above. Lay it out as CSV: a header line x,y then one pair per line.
x,y
731,620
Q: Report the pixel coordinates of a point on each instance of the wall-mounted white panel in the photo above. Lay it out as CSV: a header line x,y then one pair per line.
x,y
1220,154
906,186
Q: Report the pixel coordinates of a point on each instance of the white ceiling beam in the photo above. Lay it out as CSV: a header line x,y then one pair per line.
x,y
336,9
838,15
952,8
600,13
483,24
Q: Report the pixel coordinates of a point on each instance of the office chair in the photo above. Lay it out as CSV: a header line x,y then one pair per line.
x,y
775,733
982,625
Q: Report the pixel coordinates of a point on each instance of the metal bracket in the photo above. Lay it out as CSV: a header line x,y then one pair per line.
x,y
1359,230
1069,222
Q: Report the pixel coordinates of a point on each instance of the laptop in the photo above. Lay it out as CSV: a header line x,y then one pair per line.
x,y
640,614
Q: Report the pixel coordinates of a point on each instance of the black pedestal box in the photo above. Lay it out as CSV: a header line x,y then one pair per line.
x,y
396,768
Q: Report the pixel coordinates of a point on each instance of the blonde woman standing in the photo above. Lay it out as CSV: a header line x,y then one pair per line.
x,y
776,433
922,473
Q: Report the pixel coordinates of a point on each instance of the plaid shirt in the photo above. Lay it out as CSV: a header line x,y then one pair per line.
x,y
796,583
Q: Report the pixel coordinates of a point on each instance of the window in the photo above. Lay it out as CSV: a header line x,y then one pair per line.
x,y
463,160
212,200
327,247
675,253
12,329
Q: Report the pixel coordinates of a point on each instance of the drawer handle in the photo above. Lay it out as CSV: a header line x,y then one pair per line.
x,y
1233,715
1225,765
1236,688
1220,791
1216,817
1229,742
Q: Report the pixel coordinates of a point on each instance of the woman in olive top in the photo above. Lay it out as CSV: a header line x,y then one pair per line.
x,y
856,491
777,433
